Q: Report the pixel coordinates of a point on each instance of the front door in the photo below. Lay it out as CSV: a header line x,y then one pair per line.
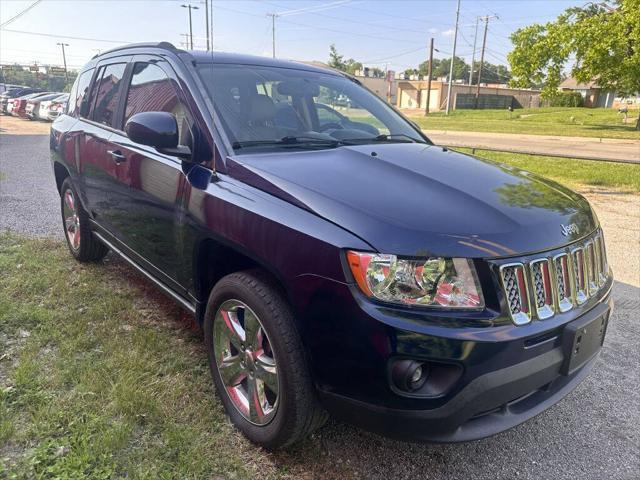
x,y
145,215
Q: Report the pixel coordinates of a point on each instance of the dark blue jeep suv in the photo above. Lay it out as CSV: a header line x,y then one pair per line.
x,y
337,260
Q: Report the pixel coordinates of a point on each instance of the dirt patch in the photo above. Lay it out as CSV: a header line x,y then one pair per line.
x,y
22,126
619,214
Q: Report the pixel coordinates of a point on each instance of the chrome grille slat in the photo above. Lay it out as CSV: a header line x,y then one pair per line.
x,y
563,282
514,283
592,269
579,274
549,285
543,295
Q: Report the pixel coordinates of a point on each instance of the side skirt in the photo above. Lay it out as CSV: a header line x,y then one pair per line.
x,y
187,304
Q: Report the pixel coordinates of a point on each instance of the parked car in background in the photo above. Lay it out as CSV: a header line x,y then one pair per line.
x,y
5,87
14,93
50,109
34,104
337,263
18,107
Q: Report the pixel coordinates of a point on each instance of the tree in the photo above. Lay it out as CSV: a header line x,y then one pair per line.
x,y
338,62
602,39
16,75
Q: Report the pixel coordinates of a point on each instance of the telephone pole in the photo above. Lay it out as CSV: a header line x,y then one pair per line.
x,y
273,32
190,7
473,55
64,60
484,44
206,13
453,56
429,75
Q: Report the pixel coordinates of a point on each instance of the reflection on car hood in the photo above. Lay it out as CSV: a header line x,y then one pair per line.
x,y
417,199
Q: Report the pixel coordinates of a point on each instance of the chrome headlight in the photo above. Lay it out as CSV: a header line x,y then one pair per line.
x,y
432,282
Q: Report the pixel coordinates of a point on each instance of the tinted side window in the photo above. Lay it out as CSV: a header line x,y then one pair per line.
x,y
80,94
152,90
106,93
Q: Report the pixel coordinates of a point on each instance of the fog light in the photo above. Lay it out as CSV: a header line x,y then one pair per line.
x,y
409,375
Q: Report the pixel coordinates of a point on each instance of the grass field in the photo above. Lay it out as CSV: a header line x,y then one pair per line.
x,y
101,377
578,122
571,172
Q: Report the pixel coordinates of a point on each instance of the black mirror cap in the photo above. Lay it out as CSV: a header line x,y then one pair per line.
x,y
155,129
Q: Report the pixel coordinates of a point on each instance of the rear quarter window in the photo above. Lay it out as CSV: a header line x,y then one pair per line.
x,y
79,94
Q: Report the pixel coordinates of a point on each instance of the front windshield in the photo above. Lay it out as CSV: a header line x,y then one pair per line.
x,y
267,108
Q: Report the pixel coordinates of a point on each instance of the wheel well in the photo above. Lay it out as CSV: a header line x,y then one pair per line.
x,y
61,174
215,260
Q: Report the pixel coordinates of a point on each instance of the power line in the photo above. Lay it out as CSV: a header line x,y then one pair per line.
x,y
18,15
51,35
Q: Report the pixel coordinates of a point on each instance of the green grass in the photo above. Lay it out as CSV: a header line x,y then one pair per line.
x,y
571,172
101,377
579,122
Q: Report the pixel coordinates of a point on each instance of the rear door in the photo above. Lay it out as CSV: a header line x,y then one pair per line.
x,y
151,183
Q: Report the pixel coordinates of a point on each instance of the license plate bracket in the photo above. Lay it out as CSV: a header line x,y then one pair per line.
x,y
582,340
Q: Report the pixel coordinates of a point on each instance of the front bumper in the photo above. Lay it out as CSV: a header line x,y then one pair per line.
x,y
489,404
510,373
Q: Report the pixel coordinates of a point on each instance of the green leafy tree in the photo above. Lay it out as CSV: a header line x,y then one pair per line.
x,y
338,62
16,75
601,39
441,68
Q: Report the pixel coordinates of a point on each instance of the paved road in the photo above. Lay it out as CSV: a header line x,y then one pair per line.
x,y
593,434
607,148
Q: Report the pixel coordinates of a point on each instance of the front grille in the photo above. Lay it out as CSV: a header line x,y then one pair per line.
x,y
549,285
542,288
515,286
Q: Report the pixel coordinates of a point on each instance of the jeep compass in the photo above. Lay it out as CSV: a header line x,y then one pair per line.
x,y
338,261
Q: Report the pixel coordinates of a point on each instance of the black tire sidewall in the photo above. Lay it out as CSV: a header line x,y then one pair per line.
x,y
281,427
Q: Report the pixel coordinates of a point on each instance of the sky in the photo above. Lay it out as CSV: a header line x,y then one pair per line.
x,y
391,34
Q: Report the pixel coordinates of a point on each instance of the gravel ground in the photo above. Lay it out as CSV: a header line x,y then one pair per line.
x,y
29,201
593,434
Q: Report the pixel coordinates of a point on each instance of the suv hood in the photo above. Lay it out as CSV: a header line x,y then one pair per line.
x,y
416,200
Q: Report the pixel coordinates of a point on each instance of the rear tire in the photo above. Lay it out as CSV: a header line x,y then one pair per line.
x,y
287,407
83,245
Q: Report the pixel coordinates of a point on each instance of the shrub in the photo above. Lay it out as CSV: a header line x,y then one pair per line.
x,y
566,99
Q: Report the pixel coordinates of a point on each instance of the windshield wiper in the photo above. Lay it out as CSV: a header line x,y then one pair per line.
x,y
291,140
391,137
385,137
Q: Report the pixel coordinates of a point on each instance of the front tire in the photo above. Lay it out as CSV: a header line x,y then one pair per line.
x,y
83,245
257,361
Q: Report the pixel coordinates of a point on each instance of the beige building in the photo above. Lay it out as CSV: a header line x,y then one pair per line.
x,y
591,92
412,95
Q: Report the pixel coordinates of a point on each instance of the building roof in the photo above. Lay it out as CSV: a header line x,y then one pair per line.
x,y
571,83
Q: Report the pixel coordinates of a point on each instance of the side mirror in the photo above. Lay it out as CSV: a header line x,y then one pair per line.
x,y
158,130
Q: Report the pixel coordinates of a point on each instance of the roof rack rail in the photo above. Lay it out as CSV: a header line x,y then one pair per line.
x,y
164,45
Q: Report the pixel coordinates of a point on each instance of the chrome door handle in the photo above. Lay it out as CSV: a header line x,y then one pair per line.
x,y
117,156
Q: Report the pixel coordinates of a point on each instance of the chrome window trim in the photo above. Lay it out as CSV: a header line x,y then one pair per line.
x,y
520,318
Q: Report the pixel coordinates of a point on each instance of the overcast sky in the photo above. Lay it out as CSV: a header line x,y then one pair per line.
x,y
393,33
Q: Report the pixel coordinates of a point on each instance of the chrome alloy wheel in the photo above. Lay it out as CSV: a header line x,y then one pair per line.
x,y
71,219
245,362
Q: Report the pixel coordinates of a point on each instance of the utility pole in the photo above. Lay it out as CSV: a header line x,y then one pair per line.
x,y
484,44
206,12
273,32
64,60
190,7
453,56
473,55
429,75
